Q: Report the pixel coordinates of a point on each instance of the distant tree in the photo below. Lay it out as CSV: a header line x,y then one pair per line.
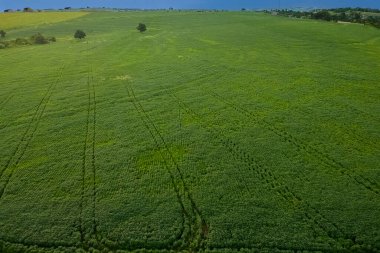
x,y
356,17
324,15
243,9
79,34
342,16
28,9
2,33
141,27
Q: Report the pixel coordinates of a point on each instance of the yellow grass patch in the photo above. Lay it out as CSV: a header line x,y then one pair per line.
x,y
122,78
17,20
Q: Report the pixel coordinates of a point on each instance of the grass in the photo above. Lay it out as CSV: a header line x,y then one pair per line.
x,y
210,132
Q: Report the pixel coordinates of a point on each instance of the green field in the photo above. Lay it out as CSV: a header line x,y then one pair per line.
x,y
210,132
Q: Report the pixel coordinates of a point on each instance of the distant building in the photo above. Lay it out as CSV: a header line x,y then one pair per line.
x,y
8,10
28,9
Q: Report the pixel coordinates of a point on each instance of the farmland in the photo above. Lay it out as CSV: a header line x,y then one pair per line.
x,y
211,131
20,20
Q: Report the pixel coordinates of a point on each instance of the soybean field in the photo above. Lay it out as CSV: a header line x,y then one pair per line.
x,y
209,132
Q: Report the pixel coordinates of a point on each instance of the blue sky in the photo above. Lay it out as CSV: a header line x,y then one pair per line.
x,y
185,4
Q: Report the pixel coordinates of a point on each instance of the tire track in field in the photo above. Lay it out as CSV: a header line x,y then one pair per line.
x,y
357,111
197,232
352,134
88,168
304,147
2,104
342,126
93,160
5,101
270,180
71,247
27,136
301,146
59,247
32,246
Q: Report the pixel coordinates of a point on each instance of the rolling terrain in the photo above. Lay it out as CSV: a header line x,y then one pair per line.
x,y
210,132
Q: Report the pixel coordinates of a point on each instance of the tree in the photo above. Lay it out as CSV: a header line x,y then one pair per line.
x,y
324,15
342,16
79,34
28,9
2,33
141,27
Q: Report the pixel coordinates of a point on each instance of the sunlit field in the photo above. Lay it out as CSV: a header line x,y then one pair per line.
x,y
209,132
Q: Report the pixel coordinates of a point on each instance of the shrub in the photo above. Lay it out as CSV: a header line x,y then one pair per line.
x,y
2,33
141,27
52,39
21,41
79,34
39,39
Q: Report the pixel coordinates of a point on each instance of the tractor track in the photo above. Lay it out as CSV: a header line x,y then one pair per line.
x,y
311,213
88,168
28,135
6,100
270,181
196,223
2,104
60,247
323,157
93,160
304,147
341,126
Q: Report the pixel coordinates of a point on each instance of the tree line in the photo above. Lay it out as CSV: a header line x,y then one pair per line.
x,y
40,39
354,15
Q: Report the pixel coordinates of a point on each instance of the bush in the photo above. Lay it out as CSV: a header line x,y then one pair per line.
x,y
39,39
2,46
21,41
2,33
52,39
141,27
79,34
